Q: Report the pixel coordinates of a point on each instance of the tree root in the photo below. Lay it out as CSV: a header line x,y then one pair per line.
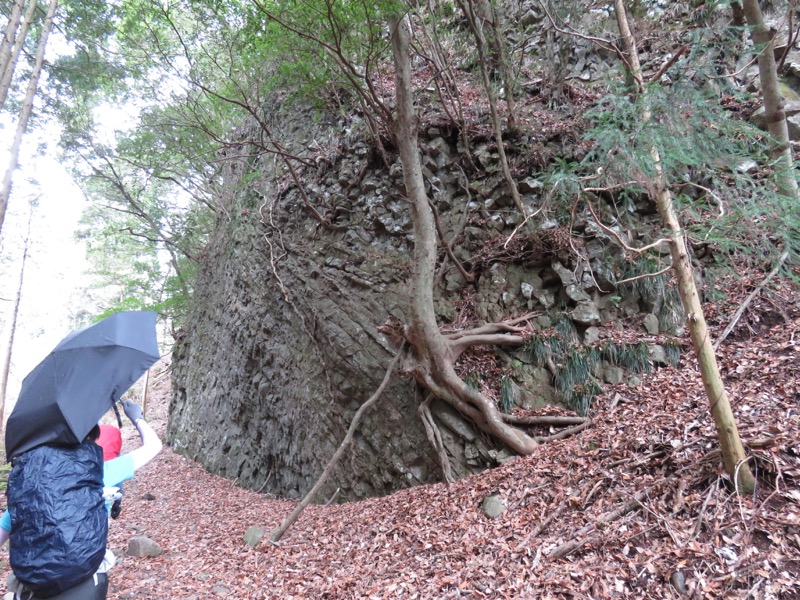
x,y
435,438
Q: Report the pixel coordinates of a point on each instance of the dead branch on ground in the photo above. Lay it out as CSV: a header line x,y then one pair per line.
x,y
278,532
738,314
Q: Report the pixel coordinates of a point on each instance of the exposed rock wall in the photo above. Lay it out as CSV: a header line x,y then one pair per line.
x,y
282,348
282,345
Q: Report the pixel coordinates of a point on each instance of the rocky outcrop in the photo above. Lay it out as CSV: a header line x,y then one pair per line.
x,y
282,344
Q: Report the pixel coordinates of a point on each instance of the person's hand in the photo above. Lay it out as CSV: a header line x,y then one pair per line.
x,y
132,410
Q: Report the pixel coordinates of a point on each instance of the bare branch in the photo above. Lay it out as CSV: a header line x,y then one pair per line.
x,y
289,521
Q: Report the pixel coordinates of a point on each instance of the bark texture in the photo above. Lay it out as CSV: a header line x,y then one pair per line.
x,y
730,443
774,113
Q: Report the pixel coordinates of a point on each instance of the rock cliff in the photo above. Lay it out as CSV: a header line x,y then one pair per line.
x,y
283,343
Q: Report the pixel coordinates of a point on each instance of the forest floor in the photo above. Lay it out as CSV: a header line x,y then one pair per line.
x,y
635,506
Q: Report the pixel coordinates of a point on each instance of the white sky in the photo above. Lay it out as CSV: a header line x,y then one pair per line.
x,y
54,270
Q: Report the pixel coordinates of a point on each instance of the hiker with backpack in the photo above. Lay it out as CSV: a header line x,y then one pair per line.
x,y
57,517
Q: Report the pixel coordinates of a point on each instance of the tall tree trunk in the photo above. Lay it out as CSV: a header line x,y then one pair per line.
x,y
10,65
10,34
25,113
433,354
733,454
9,349
773,101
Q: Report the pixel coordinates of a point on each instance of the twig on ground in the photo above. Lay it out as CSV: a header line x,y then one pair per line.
x,y
576,541
544,420
563,433
738,314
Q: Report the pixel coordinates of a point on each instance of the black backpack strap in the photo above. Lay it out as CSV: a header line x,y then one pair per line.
x,y
116,412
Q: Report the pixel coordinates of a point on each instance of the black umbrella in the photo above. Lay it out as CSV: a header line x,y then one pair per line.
x,y
67,393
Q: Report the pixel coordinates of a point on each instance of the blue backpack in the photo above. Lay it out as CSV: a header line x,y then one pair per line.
x,y
59,522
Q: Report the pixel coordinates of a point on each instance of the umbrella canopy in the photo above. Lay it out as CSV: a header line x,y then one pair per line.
x,y
67,393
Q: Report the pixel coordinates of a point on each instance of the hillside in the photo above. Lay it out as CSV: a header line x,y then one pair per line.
x,y
634,501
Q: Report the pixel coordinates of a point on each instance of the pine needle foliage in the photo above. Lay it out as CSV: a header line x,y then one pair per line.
x,y
581,396
576,370
574,366
703,148
672,352
538,349
566,330
473,380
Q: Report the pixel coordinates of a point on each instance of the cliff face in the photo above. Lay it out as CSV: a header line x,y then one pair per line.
x,y
283,343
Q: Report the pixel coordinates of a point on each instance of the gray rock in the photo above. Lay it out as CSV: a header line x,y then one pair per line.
x,y
546,297
438,146
747,166
679,581
141,545
657,354
793,123
574,292
591,335
529,184
254,535
455,423
613,375
570,282
493,506
527,290
471,454
651,324
586,313
567,277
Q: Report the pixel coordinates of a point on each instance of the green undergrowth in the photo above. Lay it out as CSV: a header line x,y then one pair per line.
x,y
573,365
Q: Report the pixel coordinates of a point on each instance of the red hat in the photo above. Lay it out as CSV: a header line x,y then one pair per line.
x,y
110,440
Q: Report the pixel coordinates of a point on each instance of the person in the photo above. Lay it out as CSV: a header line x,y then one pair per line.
x,y
115,471
110,440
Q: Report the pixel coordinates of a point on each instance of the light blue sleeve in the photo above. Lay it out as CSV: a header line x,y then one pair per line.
x,y
5,521
117,470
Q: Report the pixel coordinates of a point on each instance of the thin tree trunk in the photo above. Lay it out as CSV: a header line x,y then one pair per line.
x,y
730,443
10,34
432,352
486,11
144,392
9,349
773,100
25,113
475,23
10,65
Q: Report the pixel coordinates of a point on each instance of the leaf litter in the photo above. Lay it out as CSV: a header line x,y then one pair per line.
x,y
636,506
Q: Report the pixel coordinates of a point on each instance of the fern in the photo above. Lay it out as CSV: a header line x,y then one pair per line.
x,y
507,399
